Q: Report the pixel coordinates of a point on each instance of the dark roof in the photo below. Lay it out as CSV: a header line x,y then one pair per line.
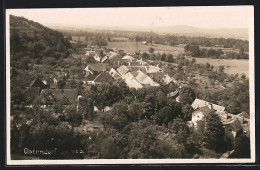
x,y
136,68
244,115
103,77
91,77
158,77
32,92
98,66
37,83
135,63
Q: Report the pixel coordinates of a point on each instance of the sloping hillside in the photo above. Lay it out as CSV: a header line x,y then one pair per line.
x,y
33,40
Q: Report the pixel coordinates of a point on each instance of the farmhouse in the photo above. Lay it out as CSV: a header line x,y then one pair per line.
x,y
197,103
114,73
122,70
95,68
145,79
98,79
128,58
231,123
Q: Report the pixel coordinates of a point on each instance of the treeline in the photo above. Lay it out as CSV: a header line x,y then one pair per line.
x,y
29,39
200,41
196,51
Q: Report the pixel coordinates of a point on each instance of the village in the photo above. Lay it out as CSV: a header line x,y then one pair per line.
x,y
136,74
111,103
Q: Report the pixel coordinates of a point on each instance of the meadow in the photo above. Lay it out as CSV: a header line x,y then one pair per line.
x,y
130,47
232,66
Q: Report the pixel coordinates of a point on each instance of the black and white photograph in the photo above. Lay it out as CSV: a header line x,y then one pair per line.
x,y
130,85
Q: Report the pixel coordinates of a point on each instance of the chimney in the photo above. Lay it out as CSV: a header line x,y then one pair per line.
x,y
211,107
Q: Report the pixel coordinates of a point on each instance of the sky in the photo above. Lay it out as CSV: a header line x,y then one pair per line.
x,y
203,17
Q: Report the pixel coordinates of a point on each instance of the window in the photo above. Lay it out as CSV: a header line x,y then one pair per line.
x,y
230,130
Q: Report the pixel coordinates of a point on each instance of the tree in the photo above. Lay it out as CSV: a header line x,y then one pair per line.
x,y
151,50
212,131
186,112
187,95
61,84
181,130
120,115
242,147
141,138
165,115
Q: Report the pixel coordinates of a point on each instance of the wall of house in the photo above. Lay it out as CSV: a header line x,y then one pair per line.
x,y
230,134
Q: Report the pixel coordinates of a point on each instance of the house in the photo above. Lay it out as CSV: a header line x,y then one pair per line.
x,y
145,79
98,79
128,58
197,103
114,73
153,69
97,57
199,113
243,117
103,77
32,92
231,123
122,70
131,82
37,82
112,55
95,68
232,128
167,80
157,76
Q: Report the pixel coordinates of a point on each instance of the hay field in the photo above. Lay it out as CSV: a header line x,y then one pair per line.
x,y
231,66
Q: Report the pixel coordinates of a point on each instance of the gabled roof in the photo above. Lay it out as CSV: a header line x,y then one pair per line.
x,y
131,82
122,70
200,103
91,77
205,110
145,79
112,54
32,92
99,67
158,76
235,124
136,63
103,77
114,73
244,115
153,69
137,68
37,83
104,59
128,57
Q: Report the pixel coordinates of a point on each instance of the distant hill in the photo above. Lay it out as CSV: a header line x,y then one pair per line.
x,y
35,41
237,33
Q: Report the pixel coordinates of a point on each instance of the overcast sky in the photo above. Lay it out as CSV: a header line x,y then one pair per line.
x,y
204,17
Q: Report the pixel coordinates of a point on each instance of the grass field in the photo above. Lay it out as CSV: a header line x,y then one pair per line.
x,y
232,66
130,47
